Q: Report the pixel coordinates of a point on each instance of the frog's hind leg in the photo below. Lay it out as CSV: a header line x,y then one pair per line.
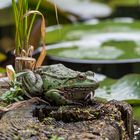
x,y
53,96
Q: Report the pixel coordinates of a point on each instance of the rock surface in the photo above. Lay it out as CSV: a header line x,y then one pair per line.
x,y
34,119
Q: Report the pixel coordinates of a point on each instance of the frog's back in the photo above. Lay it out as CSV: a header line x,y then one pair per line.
x,y
58,70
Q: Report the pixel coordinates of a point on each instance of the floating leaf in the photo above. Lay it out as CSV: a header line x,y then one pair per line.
x,y
136,112
107,40
127,88
93,28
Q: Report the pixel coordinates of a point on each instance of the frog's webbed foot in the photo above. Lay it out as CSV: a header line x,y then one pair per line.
x,y
53,96
89,97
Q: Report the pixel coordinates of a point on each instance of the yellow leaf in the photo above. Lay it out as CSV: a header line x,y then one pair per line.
x,y
10,72
41,57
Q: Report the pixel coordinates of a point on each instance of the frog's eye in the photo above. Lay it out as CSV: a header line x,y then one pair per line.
x,y
81,76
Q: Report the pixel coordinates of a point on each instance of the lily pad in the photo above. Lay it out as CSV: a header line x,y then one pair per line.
x,y
95,50
115,3
127,88
93,30
107,40
136,112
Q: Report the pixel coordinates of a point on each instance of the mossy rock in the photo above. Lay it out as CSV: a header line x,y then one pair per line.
x,y
34,119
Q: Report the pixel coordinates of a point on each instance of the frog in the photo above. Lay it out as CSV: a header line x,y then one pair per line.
x,y
60,85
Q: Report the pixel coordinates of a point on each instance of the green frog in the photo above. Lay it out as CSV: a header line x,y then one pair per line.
x,y
60,85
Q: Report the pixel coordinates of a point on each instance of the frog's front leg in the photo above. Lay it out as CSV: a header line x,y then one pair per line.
x,y
56,98
89,97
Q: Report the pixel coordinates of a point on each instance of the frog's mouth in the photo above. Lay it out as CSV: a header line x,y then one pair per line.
x,y
78,89
77,93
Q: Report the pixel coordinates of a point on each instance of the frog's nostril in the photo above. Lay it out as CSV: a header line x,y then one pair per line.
x,y
90,73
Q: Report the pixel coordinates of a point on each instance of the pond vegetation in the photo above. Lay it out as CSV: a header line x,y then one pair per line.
x,y
116,39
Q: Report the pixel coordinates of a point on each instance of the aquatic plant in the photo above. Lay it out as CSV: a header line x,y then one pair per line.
x,y
23,28
24,25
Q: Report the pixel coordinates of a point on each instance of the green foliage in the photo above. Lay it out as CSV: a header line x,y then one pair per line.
x,y
106,33
23,28
13,94
136,112
79,31
126,88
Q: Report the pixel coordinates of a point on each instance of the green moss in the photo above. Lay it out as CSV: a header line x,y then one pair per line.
x,y
56,138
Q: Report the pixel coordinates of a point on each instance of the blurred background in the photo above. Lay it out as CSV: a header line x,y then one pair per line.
x,y
98,35
95,34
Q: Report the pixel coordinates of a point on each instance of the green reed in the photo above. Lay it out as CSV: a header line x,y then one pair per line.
x,y
23,24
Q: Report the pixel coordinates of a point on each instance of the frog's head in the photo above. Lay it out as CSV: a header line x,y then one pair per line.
x,y
58,76
83,81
